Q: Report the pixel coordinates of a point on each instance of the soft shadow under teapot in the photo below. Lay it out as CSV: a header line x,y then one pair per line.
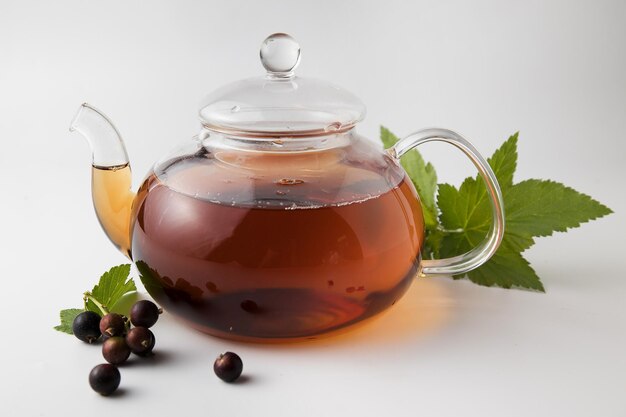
x,y
277,221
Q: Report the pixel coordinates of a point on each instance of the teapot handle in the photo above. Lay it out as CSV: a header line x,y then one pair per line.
x,y
480,254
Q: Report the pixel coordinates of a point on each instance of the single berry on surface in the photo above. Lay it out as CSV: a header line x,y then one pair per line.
x,y
104,378
144,313
140,340
115,350
86,326
228,366
112,324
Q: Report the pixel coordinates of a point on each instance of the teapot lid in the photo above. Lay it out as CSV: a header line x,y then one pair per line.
x,y
281,103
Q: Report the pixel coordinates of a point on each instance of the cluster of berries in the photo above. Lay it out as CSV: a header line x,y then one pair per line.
x,y
120,340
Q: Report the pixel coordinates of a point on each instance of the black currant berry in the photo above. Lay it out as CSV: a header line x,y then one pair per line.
x,y
112,325
140,340
104,378
228,366
115,350
144,313
148,351
86,326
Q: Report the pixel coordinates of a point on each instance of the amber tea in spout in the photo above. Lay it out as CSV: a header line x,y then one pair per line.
x,y
113,200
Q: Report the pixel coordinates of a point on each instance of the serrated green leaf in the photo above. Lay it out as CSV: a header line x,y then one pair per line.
x,y
67,318
422,175
504,161
432,244
387,138
540,207
465,208
468,208
506,269
466,218
111,287
517,242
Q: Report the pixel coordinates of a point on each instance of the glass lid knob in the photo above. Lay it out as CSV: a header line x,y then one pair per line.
x,y
280,55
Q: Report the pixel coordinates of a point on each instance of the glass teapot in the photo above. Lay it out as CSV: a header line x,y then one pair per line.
x,y
277,221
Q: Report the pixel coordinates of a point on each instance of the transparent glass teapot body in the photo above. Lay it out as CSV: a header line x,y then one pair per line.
x,y
285,244
277,225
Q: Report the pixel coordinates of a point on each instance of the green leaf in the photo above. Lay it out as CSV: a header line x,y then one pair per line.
x,y
541,207
67,318
504,161
388,139
423,177
466,219
506,269
465,208
432,244
113,285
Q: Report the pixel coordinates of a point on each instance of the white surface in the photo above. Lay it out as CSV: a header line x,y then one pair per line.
x,y
552,69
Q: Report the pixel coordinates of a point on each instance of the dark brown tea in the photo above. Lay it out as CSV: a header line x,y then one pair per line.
x,y
260,256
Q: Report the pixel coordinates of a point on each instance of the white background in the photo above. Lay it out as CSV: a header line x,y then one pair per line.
x,y
554,70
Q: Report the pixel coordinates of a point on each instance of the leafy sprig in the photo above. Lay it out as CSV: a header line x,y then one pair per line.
x,y
110,289
461,217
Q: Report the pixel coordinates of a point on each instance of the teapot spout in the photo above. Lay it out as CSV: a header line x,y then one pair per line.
x,y
111,175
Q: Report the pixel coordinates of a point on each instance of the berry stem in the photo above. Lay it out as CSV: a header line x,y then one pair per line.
x,y
88,297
